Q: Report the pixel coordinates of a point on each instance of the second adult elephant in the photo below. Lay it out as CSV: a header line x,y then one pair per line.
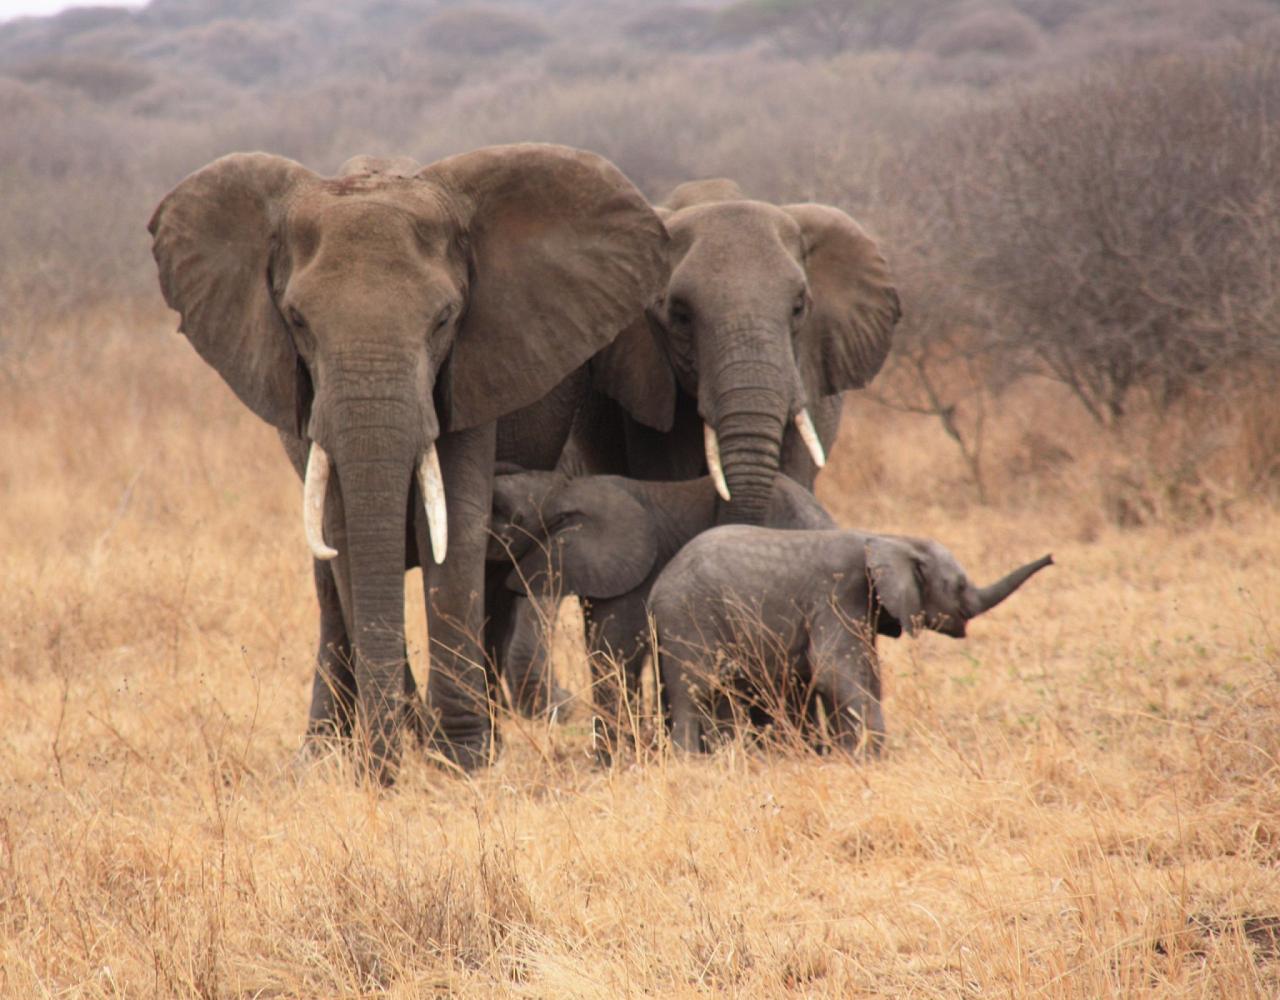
x,y
605,539
383,321
770,313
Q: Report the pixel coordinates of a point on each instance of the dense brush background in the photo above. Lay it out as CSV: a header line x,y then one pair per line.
x,y
1081,199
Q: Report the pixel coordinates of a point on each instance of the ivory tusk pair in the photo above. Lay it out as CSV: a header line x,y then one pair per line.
x,y
804,424
316,484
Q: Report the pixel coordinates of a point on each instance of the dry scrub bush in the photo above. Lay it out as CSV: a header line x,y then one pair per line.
x,y
992,31
667,27
809,28
1076,802
481,31
103,80
1122,221
1118,235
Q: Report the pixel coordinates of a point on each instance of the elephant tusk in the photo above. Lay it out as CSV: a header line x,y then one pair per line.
x,y
431,483
713,461
804,424
314,487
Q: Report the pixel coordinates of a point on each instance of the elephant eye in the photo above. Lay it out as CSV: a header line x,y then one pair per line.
x,y
442,320
679,313
800,306
296,319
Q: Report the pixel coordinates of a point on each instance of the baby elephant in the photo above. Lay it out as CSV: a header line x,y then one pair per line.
x,y
606,539
770,610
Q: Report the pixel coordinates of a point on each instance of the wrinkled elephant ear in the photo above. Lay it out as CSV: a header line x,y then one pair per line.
x,y
212,239
634,372
895,575
601,541
848,333
564,253
702,193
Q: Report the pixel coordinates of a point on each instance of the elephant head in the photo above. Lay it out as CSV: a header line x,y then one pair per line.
x,y
519,498
591,535
767,310
372,312
917,583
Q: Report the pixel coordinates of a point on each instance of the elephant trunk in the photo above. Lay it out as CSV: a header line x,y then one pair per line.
x,y
749,404
988,597
375,460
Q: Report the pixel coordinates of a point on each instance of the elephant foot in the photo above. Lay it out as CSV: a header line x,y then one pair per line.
x,y
558,703
466,754
416,721
318,751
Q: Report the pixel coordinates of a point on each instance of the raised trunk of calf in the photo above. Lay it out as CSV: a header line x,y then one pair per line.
x,y
988,597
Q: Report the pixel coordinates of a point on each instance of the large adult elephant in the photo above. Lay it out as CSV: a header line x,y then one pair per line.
x,y
770,313
383,321
737,368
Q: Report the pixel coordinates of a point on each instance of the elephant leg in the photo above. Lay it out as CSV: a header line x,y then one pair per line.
x,y
333,689
499,624
677,673
333,685
595,441
846,674
526,655
459,697
686,722
617,643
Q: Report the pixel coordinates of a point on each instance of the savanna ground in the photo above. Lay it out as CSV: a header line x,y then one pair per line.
x,y
1080,800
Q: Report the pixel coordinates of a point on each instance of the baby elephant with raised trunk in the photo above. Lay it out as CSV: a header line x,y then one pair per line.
x,y
751,607
605,539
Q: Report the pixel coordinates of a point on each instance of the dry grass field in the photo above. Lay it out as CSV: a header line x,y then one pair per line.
x,y
1081,800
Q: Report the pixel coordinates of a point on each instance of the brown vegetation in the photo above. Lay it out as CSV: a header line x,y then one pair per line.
x,y
1079,800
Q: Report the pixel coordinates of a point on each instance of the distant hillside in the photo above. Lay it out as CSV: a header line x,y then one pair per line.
x,y
104,109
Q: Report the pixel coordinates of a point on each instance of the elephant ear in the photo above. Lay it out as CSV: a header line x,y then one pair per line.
x,y
601,541
564,253
212,241
634,372
702,193
847,335
895,574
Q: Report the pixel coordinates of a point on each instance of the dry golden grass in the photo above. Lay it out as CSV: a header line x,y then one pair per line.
x,y
1081,800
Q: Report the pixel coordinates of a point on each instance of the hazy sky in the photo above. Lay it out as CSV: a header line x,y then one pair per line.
x,y
23,8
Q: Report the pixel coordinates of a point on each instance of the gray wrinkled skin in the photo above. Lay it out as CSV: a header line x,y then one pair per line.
x,y
752,607
604,539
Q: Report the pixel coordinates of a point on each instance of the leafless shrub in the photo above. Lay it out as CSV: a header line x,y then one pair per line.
x,y
829,27
103,80
482,31
1053,14
36,37
1125,225
991,30
242,52
678,27
183,13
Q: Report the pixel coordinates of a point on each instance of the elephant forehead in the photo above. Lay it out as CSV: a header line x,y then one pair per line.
x,y
376,213
755,223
